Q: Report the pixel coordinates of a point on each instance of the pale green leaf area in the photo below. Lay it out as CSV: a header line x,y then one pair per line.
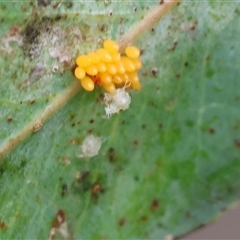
x,y
167,164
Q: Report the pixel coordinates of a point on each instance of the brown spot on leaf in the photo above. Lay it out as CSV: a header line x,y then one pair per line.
x,y
208,58
111,154
59,219
237,143
211,130
121,221
154,205
144,218
161,2
135,142
178,75
91,121
64,189
154,71
2,225
9,118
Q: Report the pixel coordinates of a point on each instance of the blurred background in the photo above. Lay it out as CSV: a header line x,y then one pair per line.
x,y
226,226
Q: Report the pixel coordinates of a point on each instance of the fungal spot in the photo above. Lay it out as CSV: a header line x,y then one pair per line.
x,y
59,226
237,143
144,218
121,221
135,9
31,102
121,20
95,190
81,176
90,146
186,64
153,29
103,28
9,118
161,2
211,130
143,126
64,189
55,68
111,154
154,205
188,214
43,3
154,71
175,43
110,13
73,124
91,121
72,141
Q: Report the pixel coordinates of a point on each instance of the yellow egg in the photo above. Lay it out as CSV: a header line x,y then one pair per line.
x,y
94,57
91,70
110,46
111,68
79,73
132,52
117,79
87,83
124,77
83,61
120,67
110,88
106,78
137,62
134,79
101,66
128,64
116,56
104,55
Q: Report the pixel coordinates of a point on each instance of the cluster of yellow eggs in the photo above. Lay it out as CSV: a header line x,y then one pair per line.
x,y
108,68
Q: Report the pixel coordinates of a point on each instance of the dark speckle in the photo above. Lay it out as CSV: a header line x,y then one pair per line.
x,y
154,71
237,143
121,221
178,75
2,225
123,122
144,218
90,130
9,119
161,2
154,205
135,142
153,29
111,154
135,9
103,28
186,64
211,130
208,58
64,189
73,124
91,121
143,126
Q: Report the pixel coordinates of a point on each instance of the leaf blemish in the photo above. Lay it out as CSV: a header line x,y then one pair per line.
x,y
111,154
154,205
121,221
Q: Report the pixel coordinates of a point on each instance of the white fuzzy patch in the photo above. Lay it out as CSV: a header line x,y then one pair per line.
x,y
116,102
90,146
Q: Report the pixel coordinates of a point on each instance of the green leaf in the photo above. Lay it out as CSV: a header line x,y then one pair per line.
x,y
167,164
